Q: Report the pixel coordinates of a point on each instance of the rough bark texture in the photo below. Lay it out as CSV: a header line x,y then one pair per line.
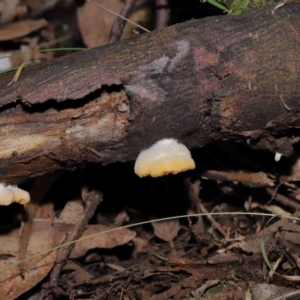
x,y
216,78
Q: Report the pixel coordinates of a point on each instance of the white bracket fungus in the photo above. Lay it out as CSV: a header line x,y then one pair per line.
x,y
164,157
11,193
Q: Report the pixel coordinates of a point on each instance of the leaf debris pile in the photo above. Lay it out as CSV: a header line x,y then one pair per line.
x,y
191,256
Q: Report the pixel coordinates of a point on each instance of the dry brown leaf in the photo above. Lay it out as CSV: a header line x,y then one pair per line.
x,y
140,246
79,274
42,238
121,218
72,212
38,6
19,29
106,240
95,23
8,10
166,230
284,229
17,286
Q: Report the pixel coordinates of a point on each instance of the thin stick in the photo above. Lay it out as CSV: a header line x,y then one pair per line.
x,y
119,23
162,14
93,199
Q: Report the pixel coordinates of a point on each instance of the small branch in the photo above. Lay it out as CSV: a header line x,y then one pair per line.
x,y
93,199
254,179
119,23
162,14
287,201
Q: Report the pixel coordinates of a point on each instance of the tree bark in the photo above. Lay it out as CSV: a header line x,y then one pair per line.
x,y
216,78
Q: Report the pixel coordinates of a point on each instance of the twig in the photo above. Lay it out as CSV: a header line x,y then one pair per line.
x,y
162,14
283,199
119,23
93,200
193,192
254,179
274,193
212,220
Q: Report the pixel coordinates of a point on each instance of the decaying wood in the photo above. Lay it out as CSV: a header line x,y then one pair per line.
x,y
216,78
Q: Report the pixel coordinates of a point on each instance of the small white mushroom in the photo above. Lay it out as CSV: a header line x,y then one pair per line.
x,y
166,156
11,193
277,156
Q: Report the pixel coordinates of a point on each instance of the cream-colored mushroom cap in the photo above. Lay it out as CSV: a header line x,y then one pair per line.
x,y
11,193
21,196
166,156
6,196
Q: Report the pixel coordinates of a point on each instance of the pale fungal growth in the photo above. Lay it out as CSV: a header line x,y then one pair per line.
x,y
11,193
6,196
277,156
166,156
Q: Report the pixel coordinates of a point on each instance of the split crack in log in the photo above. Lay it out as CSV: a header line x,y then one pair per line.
x,y
217,78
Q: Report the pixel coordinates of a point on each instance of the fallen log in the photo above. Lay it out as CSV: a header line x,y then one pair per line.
x,y
219,78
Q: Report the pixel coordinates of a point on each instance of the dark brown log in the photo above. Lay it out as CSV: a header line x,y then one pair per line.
x,y
217,78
